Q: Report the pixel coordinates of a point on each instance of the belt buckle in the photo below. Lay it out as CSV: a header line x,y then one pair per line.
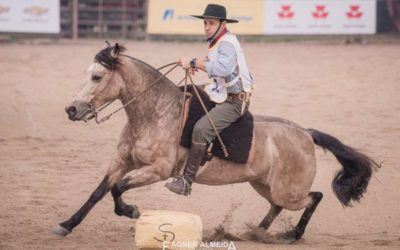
x,y
242,96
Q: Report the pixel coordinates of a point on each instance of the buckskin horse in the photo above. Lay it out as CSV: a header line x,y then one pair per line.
x,y
281,170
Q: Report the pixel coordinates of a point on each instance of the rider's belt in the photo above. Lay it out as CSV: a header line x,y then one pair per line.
x,y
242,96
238,96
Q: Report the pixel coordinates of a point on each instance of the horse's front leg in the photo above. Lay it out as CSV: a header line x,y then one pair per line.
x,y
140,177
116,171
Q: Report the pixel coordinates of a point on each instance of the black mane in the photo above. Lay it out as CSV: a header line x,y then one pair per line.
x,y
108,57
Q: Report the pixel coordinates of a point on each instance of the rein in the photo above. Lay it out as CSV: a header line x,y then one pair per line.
x,y
105,118
226,154
181,123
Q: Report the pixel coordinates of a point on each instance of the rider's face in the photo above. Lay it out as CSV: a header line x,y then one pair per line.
x,y
211,25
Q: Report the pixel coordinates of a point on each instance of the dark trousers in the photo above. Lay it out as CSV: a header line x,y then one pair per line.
x,y
222,115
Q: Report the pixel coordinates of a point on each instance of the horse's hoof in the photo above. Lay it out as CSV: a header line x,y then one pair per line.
x,y
289,237
135,212
128,211
59,230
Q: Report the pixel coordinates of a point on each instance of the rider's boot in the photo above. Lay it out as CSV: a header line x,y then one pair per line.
x,y
182,184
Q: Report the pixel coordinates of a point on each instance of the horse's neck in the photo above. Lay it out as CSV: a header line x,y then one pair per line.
x,y
159,101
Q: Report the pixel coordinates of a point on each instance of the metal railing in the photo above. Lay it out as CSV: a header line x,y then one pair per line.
x,y
103,18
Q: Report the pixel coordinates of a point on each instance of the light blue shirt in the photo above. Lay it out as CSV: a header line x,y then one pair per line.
x,y
226,60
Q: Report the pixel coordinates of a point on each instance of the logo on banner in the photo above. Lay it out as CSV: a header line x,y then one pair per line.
x,y
285,17
354,18
354,12
320,12
168,14
286,12
4,9
36,11
320,15
171,14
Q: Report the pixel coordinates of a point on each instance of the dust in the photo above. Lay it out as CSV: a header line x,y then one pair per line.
x,y
251,232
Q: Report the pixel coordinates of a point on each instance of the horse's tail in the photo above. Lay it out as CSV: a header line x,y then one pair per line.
x,y
350,182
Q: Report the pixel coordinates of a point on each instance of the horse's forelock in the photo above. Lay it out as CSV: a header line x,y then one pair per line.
x,y
106,58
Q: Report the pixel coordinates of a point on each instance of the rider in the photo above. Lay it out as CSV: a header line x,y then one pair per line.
x,y
230,89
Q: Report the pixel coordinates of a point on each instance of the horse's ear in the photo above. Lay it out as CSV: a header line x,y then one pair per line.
x,y
116,50
108,45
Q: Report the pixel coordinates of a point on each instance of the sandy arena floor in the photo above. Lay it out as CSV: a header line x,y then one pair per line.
x,y
49,165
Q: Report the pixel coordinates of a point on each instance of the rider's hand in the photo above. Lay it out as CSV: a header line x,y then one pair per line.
x,y
184,62
201,63
192,71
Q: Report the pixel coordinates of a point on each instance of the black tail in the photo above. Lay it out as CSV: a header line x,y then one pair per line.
x,y
351,182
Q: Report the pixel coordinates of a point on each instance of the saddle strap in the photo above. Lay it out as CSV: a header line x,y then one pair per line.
x,y
182,121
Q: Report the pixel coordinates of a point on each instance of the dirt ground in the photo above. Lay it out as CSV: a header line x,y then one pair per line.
x,y
49,165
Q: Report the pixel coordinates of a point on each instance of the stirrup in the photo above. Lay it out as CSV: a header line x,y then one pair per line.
x,y
185,190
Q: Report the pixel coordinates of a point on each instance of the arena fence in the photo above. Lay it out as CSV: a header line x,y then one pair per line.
x,y
103,18
167,19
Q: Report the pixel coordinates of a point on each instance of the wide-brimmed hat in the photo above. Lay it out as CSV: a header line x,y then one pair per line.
x,y
216,11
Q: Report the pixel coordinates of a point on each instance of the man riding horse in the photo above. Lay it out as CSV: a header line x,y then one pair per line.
x,y
230,89
281,170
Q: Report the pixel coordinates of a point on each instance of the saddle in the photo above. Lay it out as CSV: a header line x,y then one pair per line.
x,y
237,137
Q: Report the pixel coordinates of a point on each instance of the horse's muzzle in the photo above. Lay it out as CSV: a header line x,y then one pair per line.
x,y
78,111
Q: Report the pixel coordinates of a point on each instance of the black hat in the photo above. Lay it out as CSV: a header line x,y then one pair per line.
x,y
216,11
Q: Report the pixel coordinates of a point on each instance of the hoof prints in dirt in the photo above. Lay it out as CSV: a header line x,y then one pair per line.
x,y
253,233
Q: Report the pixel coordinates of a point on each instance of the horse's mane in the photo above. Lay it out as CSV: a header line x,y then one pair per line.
x,y
153,70
109,57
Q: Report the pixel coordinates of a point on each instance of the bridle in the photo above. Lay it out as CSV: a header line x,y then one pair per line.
x,y
95,111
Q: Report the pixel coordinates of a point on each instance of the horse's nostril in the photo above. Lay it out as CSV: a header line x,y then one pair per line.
x,y
71,111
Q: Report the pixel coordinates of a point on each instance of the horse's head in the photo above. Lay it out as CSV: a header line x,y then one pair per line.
x,y
102,85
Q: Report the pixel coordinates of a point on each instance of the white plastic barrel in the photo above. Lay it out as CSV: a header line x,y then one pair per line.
x,y
163,229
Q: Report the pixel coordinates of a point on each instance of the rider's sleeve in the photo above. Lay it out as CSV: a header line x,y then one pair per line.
x,y
225,63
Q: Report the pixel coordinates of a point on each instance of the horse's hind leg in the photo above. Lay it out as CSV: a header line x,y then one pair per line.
x,y
270,217
298,231
274,211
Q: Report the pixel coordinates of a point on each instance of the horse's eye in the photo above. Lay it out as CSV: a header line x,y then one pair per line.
x,y
96,78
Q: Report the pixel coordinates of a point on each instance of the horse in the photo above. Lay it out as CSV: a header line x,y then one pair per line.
x,y
281,169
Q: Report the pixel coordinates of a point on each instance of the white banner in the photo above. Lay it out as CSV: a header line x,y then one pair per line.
x,y
33,16
320,17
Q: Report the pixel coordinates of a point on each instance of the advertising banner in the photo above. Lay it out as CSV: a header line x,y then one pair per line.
x,y
33,16
257,17
173,16
320,17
